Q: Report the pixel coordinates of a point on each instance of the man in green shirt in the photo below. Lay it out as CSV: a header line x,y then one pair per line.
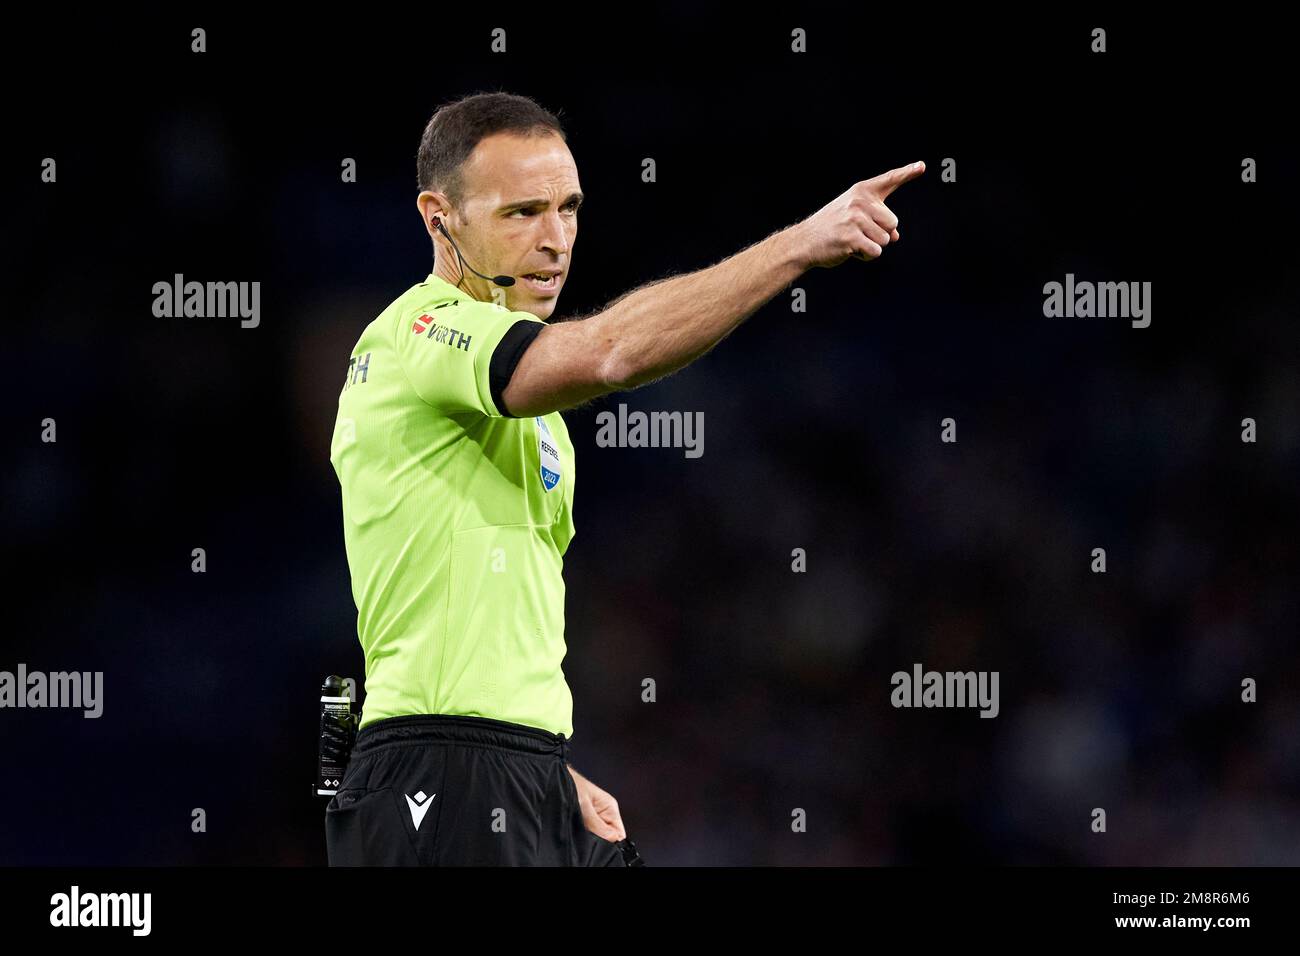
x,y
457,479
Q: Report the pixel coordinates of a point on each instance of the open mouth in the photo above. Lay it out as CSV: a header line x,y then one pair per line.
x,y
542,281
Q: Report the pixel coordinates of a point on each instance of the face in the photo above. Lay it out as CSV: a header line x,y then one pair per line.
x,y
519,216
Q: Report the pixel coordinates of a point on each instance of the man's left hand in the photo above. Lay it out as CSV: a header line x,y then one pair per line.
x,y
599,809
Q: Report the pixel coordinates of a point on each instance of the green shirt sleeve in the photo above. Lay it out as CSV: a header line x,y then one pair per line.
x,y
447,352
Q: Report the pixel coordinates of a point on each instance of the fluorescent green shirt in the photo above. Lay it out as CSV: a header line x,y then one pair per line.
x,y
455,517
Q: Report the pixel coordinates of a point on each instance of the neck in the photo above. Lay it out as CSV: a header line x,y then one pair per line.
x,y
447,268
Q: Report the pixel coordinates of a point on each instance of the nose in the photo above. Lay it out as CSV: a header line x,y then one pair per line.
x,y
554,238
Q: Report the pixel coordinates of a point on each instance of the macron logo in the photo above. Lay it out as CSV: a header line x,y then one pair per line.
x,y
419,805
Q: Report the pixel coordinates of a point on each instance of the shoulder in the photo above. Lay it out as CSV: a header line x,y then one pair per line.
x,y
424,299
460,313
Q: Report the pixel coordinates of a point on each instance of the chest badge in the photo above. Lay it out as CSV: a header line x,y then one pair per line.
x,y
549,456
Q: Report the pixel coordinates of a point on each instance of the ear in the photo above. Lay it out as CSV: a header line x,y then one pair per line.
x,y
432,205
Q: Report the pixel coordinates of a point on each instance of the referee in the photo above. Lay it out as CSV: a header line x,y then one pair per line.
x,y
457,476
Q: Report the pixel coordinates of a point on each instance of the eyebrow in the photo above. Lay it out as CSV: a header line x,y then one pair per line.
x,y
525,203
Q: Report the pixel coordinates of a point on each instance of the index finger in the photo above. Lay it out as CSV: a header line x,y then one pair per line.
x,y
886,183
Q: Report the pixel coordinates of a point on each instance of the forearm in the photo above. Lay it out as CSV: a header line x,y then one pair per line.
x,y
663,326
668,324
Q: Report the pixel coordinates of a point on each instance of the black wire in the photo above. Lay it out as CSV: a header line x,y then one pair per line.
x,y
462,267
459,258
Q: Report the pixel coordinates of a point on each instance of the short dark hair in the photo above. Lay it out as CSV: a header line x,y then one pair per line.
x,y
456,128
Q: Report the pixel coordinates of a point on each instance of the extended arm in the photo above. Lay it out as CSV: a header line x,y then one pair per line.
x,y
665,325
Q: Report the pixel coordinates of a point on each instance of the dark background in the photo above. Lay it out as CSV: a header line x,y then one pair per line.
x,y
1119,691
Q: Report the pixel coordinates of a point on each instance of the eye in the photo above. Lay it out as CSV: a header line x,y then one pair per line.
x,y
521,212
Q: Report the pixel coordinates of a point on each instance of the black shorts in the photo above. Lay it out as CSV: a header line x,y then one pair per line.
x,y
442,790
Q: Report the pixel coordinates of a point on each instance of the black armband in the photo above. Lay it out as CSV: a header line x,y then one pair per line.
x,y
506,356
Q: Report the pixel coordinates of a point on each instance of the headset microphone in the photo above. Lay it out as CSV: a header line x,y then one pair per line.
x,y
499,280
